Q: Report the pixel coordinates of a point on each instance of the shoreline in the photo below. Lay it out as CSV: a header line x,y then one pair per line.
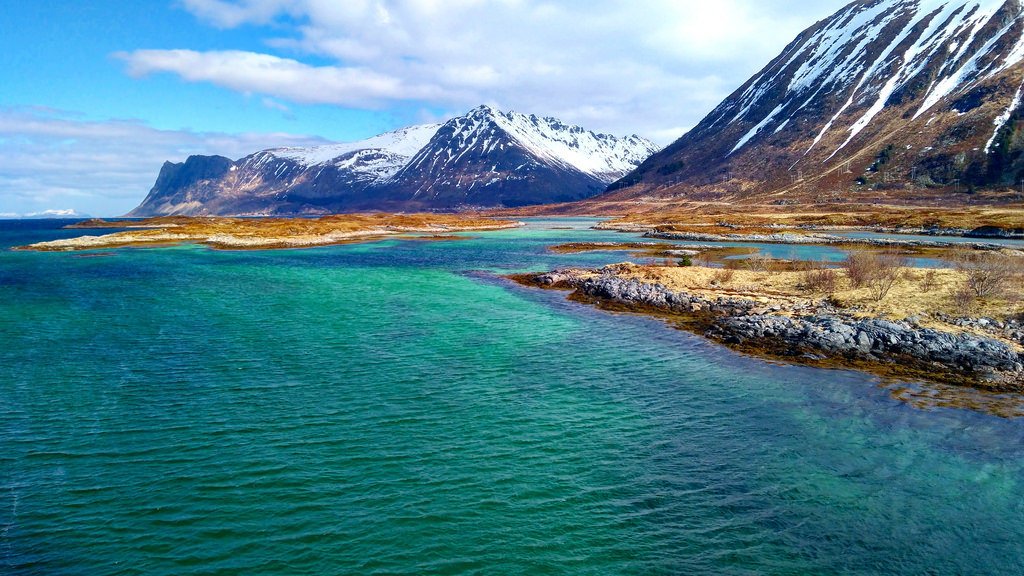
x,y
814,333
819,239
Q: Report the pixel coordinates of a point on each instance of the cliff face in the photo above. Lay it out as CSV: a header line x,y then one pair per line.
x,y
901,99
486,158
191,182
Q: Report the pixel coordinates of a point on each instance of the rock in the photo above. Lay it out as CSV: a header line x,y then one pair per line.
x,y
557,278
819,336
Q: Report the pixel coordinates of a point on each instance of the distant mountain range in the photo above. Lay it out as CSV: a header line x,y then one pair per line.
x,y
484,159
886,99
54,214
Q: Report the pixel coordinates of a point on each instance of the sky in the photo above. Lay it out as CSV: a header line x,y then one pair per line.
x,y
95,96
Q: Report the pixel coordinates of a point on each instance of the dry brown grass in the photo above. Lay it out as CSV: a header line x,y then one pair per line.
x,y
578,247
725,275
820,280
988,273
904,299
706,255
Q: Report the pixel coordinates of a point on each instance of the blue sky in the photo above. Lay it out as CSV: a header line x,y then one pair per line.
x,y
64,59
96,95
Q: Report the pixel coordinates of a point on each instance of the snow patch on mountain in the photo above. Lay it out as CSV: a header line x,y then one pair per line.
x,y
760,126
843,52
602,156
405,143
1003,118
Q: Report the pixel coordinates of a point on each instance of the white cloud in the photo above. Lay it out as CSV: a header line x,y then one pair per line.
x,y
609,65
50,159
281,77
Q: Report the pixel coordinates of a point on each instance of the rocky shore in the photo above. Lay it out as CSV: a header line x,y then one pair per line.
x,y
820,239
817,333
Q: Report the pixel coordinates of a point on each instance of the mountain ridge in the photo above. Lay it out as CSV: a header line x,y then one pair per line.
x,y
486,158
883,100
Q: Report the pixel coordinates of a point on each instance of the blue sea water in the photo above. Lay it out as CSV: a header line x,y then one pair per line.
x,y
398,408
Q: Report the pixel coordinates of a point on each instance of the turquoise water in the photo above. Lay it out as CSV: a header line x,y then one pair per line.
x,y
395,408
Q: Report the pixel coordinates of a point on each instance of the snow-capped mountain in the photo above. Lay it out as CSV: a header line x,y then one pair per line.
x,y
488,157
379,157
483,159
885,97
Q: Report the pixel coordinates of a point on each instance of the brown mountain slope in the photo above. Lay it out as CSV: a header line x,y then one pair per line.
x,y
892,101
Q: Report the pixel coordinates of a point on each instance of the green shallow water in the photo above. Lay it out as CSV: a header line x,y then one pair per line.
x,y
395,408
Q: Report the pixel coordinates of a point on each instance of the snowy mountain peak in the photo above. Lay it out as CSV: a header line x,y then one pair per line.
x,y
403,142
483,111
602,156
929,89
518,159
484,158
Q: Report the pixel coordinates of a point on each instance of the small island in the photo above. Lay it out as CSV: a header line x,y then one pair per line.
x,y
267,233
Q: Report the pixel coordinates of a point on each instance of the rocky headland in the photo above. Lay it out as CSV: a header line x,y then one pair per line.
x,y
984,353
